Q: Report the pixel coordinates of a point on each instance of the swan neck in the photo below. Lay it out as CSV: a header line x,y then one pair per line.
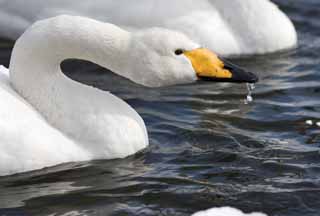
x,y
41,49
92,118
35,71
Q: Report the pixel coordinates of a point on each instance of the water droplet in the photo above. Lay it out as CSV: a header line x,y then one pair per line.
x,y
309,122
249,99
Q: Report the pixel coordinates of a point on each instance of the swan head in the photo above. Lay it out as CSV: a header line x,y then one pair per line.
x,y
163,57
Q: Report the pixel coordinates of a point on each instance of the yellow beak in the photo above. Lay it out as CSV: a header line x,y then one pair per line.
x,y
208,65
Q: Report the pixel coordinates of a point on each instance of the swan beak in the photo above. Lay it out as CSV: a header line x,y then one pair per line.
x,y
209,66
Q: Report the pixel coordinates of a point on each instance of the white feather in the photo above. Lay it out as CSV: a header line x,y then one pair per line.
x,y
227,27
48,119
225,211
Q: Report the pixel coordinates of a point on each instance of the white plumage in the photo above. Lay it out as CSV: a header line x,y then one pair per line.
x,y
225,211
232,27
48,119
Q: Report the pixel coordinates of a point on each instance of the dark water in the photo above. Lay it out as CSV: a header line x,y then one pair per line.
x,y
207,149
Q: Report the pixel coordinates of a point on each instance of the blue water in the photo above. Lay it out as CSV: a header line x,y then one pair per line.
x,y
208,148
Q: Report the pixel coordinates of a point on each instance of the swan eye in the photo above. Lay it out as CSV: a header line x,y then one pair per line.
x,y
179,52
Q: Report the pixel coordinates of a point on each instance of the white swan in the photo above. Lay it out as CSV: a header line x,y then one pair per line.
x,y
225,211
47,119
230,27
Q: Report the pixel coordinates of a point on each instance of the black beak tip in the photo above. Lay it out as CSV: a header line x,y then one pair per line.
x,y
252,78
239,74
244,77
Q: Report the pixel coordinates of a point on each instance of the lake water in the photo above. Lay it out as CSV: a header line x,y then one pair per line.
x,y
208,148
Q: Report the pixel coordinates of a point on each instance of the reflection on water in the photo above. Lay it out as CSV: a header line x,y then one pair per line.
x,y
207,149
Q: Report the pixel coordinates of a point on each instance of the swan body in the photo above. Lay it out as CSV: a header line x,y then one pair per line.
x,y
227,27
22,134
48,119
225,211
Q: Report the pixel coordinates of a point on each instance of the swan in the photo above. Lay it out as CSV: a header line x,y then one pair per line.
x,y
225,211
234,27
49,119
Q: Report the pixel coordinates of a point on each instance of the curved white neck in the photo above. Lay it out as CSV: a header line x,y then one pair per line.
x,y
40,51
78,110
35,63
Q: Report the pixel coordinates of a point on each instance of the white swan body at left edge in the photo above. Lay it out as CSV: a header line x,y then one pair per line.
x,y
48,119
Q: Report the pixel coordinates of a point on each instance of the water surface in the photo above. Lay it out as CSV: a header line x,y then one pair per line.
x,y
208,148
